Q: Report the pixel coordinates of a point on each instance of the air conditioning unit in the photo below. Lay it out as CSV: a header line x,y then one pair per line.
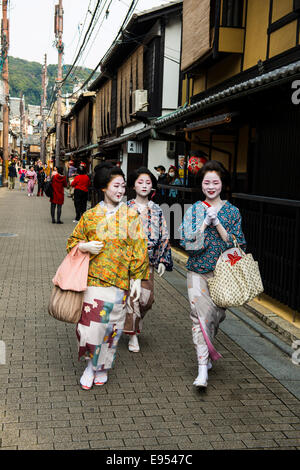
x,y
171,149
139,101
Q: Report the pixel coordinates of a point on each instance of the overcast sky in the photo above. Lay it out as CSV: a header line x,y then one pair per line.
x,y
32,28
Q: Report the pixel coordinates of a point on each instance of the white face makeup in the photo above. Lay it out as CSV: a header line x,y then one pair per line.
x,y
211,185
143,185
115,191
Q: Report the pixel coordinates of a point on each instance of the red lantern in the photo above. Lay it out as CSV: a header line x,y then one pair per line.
x,y
195,164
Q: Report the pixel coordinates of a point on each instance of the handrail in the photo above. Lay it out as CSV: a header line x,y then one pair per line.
x,y
268,200
179,187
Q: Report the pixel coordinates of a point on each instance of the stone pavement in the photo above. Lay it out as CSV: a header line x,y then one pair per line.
x,y
149,401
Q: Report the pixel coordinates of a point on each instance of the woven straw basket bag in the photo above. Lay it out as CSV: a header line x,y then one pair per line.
x,y
234,285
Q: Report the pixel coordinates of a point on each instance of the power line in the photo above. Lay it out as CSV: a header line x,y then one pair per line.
x,y
100,25
130,9
81,32
83,42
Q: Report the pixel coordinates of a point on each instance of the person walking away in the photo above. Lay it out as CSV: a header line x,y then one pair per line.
x,y
173,178
81,184
41,178
159,250
32,178
59,182
22,173
12,175
113,235
207,231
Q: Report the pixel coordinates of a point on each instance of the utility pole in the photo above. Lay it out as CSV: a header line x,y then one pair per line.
x,y
58,29
43,111
21,126
4,54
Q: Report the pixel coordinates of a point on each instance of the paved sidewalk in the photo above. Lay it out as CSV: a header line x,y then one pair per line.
x,y
149,401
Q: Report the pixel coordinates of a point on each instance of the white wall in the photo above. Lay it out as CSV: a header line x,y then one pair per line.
x,y
171,67
157,155
124,164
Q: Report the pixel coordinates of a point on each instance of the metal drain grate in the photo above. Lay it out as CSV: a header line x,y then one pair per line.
x,y
8,234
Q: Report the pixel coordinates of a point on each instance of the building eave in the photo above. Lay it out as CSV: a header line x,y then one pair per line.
x,y
258,83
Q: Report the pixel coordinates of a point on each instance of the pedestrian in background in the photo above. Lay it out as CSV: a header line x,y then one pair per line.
x,y
161,179
41,178
173,178
206,232
112,233
81,184
159,250
12,175
22,173
31,177
59,182
72,172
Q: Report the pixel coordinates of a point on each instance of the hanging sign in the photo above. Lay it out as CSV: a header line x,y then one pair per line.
x,y
134,147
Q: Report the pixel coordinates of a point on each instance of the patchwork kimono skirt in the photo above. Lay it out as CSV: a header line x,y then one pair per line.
x,y
205,316
101,325
136,311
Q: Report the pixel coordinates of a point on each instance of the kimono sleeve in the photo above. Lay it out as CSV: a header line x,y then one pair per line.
x,y
77,236
139,263
164,251
236,230
191,238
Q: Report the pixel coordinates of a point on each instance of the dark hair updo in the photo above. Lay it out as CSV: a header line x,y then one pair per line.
x,y
104,173
135,175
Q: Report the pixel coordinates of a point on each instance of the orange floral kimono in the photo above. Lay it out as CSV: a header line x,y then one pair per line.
x,y
124,257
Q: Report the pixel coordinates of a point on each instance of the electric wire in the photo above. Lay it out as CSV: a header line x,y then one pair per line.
x,y
83,42
96,21
130,10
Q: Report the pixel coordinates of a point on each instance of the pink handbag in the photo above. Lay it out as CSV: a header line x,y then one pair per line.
x,y
72,274
70,282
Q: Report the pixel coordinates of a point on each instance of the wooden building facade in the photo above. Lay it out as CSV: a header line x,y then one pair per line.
x,y
240,63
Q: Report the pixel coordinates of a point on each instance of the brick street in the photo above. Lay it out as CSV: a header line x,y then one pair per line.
x,y
149,401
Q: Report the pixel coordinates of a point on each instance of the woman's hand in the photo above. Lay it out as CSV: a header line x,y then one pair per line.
x,y
135,289
211,216
93,247
161,269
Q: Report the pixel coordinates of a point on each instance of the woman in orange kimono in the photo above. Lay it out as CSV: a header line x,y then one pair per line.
x,y
113,235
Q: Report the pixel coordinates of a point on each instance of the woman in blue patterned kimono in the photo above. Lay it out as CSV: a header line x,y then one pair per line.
x,y
207,231
159,250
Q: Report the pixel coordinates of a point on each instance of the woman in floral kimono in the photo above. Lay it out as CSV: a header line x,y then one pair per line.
x,y
207,231
32,179
113,235
156,234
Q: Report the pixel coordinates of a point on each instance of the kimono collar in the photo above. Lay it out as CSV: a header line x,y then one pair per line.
x,y
110,212
140,208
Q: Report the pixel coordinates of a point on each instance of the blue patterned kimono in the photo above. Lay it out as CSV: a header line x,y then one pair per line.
x,y
156,230
204,249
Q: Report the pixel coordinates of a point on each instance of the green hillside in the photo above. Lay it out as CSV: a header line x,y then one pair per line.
x,y
26,77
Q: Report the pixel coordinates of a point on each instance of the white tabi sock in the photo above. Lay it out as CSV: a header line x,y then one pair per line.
x,y
133,344
88,375
100,377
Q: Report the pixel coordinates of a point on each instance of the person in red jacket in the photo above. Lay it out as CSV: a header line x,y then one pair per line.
x,y
81,184
59,182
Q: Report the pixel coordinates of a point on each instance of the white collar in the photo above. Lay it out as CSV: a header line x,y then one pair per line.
x,y
110,212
